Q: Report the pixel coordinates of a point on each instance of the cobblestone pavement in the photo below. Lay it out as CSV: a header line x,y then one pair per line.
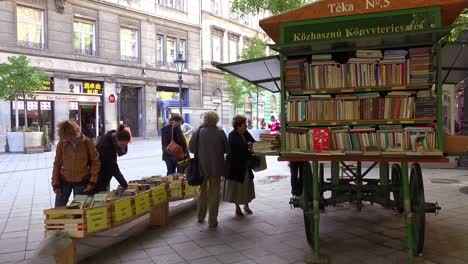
x,y
274,234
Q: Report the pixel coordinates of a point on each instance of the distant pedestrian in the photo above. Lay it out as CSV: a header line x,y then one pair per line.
x,y
239,186
274,125
212,145
76,164
113,144
297,174
262,123
172,131
187,129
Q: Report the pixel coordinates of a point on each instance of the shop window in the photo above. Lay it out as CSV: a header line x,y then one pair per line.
x,y
160,50
128,44
39,115
30,27
84,37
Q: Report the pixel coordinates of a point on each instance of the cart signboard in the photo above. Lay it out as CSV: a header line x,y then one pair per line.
x,y
96,219
123,210
159,194
176,189
142,203
190,190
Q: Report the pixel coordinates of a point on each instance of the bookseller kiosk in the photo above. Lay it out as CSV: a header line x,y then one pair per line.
x,y
359,81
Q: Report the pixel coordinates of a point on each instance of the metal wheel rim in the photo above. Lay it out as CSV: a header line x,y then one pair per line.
x,y
396,178
417,208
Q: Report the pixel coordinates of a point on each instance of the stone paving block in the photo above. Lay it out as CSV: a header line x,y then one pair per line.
x,y
190,250
159,251
167,259
231,257
14,234
270,260
207,260
12,257
12,245
138,261
219,249
127,255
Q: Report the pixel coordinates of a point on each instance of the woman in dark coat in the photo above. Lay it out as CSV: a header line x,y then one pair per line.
x,y
112,144
239,187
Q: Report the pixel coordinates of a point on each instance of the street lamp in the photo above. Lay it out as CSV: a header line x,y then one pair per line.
x,y
118,89
179,64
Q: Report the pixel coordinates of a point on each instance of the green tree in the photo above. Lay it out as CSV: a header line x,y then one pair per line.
x,y
235,92
18,80
244,7
460,25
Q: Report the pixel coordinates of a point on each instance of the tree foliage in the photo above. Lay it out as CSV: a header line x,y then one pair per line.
x,y
19,80
460,25
244,7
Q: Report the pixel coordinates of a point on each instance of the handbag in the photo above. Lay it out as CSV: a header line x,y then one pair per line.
x,y
192,174
261,165
175,149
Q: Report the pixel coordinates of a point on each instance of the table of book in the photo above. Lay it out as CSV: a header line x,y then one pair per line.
x,y
360,81
117,211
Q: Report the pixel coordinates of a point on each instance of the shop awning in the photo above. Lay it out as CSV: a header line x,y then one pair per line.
x,y
263,72
454,62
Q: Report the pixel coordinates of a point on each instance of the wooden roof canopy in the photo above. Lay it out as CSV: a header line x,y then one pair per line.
x,y
450,9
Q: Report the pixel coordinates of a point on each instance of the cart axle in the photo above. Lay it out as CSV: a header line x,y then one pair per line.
x,y
433,208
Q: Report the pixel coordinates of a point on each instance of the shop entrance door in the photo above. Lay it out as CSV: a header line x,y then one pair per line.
x,y
129,109
88,120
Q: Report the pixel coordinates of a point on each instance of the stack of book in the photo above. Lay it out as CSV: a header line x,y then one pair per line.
x,y
391,138
420,65
295,74
325,73
419,138
269,143
393,68
425,105
299,140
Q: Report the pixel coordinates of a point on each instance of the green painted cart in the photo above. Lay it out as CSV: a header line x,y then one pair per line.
x,y
341,29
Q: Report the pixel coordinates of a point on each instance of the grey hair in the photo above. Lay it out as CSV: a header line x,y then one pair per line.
x,y
210,119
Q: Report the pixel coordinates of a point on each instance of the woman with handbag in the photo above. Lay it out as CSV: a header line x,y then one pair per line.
x,y
209,143
173,143
239,186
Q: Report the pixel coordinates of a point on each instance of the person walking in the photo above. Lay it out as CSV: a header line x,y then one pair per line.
x,y
76,164
297,169
169,132
212,145
239,186
187,129
112,144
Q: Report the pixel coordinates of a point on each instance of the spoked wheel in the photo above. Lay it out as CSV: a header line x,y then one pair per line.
x,y
418,208
397,187
307,199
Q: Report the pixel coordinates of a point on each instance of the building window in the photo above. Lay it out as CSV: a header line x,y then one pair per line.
x,y
216,42
171,50
176,4
128,44
216,7
30,27
233,49
159,50
182,48
84,40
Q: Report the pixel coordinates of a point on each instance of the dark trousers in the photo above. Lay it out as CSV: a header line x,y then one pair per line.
x,y
172,165
296,177
67,188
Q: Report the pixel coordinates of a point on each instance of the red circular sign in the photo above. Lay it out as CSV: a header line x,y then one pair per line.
x,y
112,98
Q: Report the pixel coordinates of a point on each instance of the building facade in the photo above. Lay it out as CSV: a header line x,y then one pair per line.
x,y
100,50
224,36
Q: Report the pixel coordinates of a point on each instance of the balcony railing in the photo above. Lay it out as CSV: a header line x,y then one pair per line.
x,y
29,44
128,58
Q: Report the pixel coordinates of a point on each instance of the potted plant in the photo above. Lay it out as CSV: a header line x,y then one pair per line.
x,y
19,81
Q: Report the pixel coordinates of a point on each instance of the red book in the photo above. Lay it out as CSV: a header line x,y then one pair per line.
x,y
321,139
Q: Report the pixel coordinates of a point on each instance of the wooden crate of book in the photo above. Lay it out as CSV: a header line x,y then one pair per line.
x,y
189,191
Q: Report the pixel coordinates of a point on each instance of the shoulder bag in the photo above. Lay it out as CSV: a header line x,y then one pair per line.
x,y
193,175
175,149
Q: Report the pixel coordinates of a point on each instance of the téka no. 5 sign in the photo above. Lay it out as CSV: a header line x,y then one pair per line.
x,y
360,26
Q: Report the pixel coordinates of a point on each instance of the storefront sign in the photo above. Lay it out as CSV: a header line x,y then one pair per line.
x,y
45,105
176,189
360,26
48,85
142,203
91,87
96,219
346,7
112,98
73,106
67,97
123,210
20,105
32,105
159,194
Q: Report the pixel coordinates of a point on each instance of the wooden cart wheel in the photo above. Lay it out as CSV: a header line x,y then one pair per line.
x,y
397,187
418,207
307,199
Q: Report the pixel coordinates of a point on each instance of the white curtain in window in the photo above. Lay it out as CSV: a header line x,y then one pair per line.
x,y
171,50
30,26
129,43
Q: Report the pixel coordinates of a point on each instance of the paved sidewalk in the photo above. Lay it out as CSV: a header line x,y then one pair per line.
x,y
274,234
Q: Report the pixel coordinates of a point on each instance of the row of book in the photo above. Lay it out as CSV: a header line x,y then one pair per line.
x,y
362,139
269,143
367,68
366,106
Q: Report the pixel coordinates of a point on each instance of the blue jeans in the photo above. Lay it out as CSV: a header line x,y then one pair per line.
x,y
172,165
67,188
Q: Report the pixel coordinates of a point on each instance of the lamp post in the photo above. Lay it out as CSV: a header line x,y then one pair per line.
x,y
180,63
118,89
